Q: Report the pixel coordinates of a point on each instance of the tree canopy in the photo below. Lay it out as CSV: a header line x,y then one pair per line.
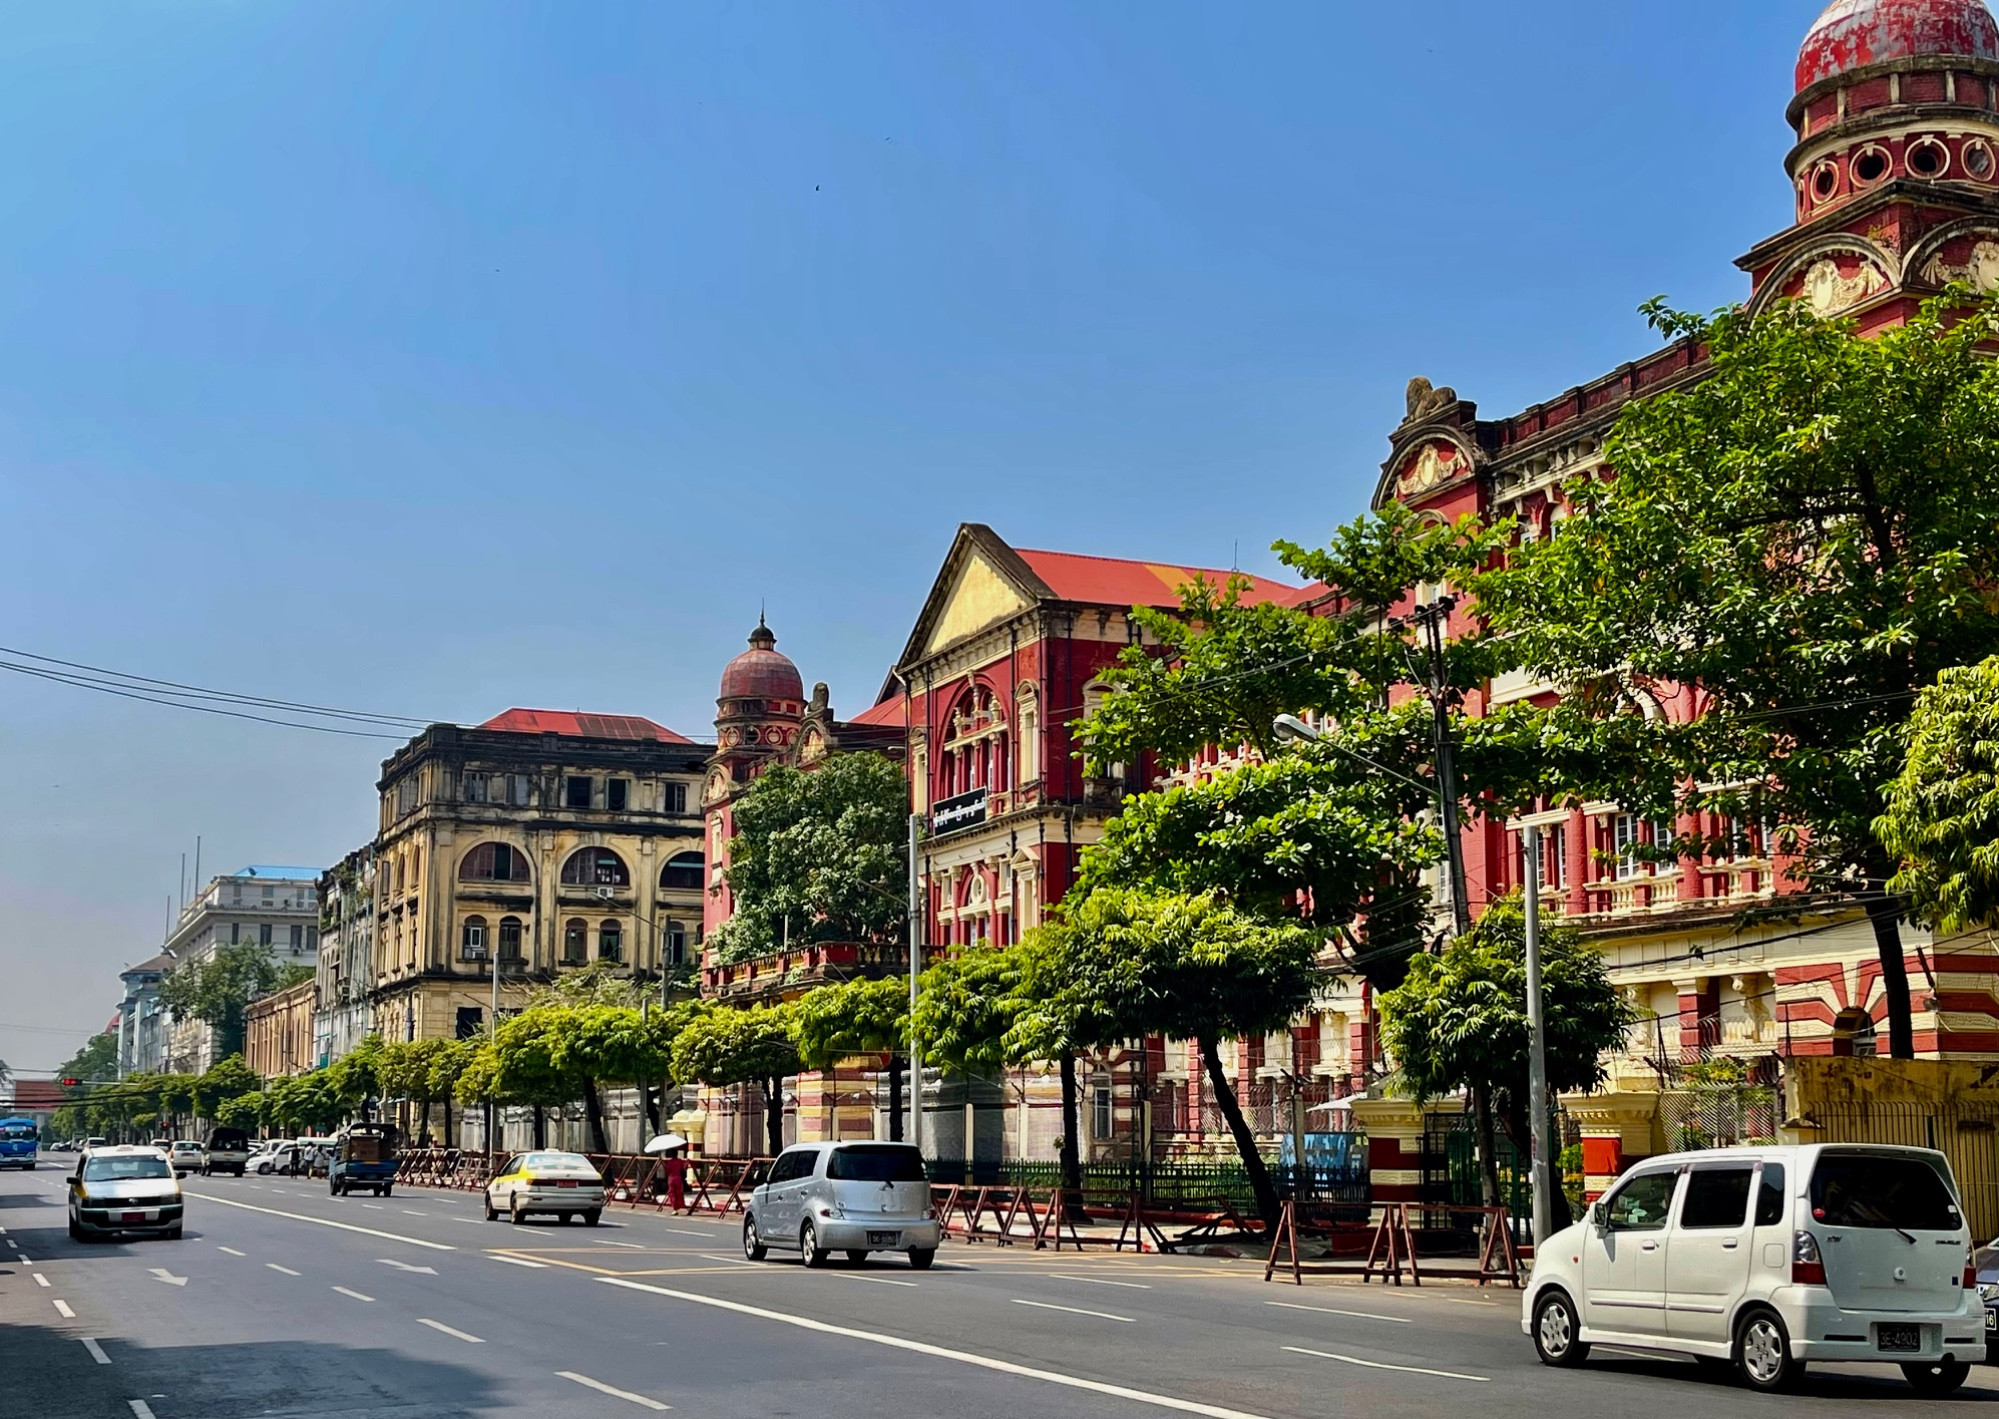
x,y
819,854
1942,817
722,1045
219,990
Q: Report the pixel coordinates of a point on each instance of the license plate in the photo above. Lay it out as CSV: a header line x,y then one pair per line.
x,y
1992,1320
883,1239
1898,1337
566,1182
132,1217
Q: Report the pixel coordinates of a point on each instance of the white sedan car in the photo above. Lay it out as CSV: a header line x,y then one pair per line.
x,y
564,1185
187,1156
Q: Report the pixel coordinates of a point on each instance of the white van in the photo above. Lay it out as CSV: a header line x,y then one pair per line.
x,y
1770,1258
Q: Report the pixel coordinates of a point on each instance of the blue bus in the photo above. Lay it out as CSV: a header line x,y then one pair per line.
x,y
19,1138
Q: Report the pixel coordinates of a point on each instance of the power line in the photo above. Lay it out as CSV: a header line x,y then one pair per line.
x,y
82,684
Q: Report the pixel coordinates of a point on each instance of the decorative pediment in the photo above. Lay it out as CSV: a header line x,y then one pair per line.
x,y
1966,252
1831,274
978,597
1429,466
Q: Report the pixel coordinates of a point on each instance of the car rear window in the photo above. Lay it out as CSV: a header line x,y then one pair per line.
x,y
125,1169
1879,1190
887,1162
228,1138
557,1163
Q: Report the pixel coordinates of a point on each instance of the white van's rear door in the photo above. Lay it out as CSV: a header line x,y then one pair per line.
x,y
1890,1229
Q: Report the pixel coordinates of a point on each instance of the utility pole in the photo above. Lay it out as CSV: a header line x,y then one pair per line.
x,y
492,1028
1537,1047
915,969
1433,621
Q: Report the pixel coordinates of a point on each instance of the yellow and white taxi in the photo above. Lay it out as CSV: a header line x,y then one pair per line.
x,y
563,1185
124,1189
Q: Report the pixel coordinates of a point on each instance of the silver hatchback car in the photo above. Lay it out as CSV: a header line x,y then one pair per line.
x,y
852,1197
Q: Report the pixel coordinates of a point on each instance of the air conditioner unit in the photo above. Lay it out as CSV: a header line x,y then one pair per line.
x,y
605,894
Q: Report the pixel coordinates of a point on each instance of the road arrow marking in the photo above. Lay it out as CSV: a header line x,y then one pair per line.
x,y
405,1266
168,1277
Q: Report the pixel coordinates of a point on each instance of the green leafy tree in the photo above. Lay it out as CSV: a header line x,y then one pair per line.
x,y
723,1046
820,854
219,990
1801,540
245,1111
355,1077
226,1079
311,1103
448,1061
96,1063
857,1017
1459,1021
177,1099
1942,817
1124,964
402,1071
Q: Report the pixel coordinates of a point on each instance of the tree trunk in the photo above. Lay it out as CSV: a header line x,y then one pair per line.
x,y
1884,915
540,1127
1072,1159
593,1111
1245,1141
1485,1137
774,1115
447,1121
894,1097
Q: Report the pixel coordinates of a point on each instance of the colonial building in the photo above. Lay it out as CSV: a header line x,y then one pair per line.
x,y
278,1032
343,1014
276,908
537,842
142,1020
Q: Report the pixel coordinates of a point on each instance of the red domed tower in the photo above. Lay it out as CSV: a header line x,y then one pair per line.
x,y
761,704
1896,167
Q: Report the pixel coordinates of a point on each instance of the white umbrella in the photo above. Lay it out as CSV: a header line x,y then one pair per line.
x,y
665,1143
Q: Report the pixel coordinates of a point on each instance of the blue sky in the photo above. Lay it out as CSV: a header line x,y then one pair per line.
x,y
438,358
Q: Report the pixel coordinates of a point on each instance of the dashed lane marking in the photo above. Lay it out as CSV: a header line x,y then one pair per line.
x,y
141,1409
1100,1281
522,1261
732,1260
96,1351
449,1330
603,1388
876,1280
1379,1365
963,1357
1336,1311
63,1310
286,1269
607,1242
1074,1311
325,1222
41,1280
232,1251
355,1294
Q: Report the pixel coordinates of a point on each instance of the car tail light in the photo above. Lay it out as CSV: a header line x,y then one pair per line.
x,y
1971,1273
1807,1266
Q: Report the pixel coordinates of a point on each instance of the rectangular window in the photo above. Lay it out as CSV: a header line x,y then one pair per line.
x,y
1555,856
576,792
1716,1197
473,945
235,932
673,950
475,788
615,792
517,790
1100,1113
1662,836
510,939
264,934
1623,837
676,798
471,1022
298,939
1884,1191
1770,1197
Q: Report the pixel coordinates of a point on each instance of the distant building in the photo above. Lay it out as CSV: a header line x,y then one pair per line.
x,y
273,907
142,1020
278,1033
342,1012
538,842
37,1099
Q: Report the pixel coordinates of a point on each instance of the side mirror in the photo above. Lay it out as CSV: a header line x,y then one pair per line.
x,y
1597,1220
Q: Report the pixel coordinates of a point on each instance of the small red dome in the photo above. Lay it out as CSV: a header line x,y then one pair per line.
x,y
761,673
1854,33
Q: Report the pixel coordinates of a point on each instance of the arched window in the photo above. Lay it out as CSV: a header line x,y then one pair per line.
x,y
682,873
510,938
595,867
575,942
1853,1035
493,862
472,939
610,941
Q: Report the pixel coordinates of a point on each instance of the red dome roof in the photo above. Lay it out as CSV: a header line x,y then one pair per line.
x,y
761,673
1854,33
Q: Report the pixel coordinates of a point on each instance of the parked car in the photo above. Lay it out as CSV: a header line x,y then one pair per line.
x,y
365,1157
280,1157
562,1185
124,1189
227,1150
186,1156
1985,1263
852,1197
1770,1258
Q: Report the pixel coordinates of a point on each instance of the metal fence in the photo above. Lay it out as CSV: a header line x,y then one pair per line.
x,y
1167,1185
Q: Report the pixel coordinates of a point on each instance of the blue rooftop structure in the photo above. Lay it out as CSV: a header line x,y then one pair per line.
x,y
308,874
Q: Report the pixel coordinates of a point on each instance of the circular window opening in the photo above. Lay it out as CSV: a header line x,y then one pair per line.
x,y
1824,181
1870,166
1978,158
1928,158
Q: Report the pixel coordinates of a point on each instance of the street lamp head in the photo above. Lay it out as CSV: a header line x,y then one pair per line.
x,y
1290,729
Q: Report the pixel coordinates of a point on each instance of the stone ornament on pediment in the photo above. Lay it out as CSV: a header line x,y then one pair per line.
x,y
1980,270
1829,291
1431,466
1424,400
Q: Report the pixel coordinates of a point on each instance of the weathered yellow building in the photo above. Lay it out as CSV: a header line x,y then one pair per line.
x,y
537,842
277,1032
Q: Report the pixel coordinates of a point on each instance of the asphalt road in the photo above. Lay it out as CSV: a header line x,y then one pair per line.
x,y
281,1300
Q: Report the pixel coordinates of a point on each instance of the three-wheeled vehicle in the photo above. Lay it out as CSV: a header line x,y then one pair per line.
x,y
364,1157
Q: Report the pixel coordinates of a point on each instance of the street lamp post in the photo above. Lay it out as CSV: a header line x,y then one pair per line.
x,y
1541,1168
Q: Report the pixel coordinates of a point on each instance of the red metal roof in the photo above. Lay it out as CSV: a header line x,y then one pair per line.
x,y
586,726
1117,582
889,712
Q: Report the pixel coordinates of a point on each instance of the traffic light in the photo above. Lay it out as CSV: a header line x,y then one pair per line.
x,y
71,1082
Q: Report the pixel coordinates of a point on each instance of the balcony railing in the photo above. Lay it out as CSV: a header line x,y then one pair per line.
x,y
800,968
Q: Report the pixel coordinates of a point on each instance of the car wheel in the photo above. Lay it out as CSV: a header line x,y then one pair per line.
x,y
75,1232
1944,1377
514,1211
492,1212
1558,1330
592,1217
387,1189
332,1187
173,1233
856,1258
808,1243
1763,1353
753,1242
921,1257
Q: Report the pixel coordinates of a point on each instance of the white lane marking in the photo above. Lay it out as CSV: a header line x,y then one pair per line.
x,y
409,1212
23,1259
325,1222
141,1409
964,1357
1100,1281
96,1351
473,1220
677,1232
603,1388
286,1269
162,1274
355,1294
877,1280
522,1261
232,1251
63,1310
405,1266
1072,1310
605,1242
41,1280
1335,1311
374,1207
1378,1365
732,1260
448,1330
